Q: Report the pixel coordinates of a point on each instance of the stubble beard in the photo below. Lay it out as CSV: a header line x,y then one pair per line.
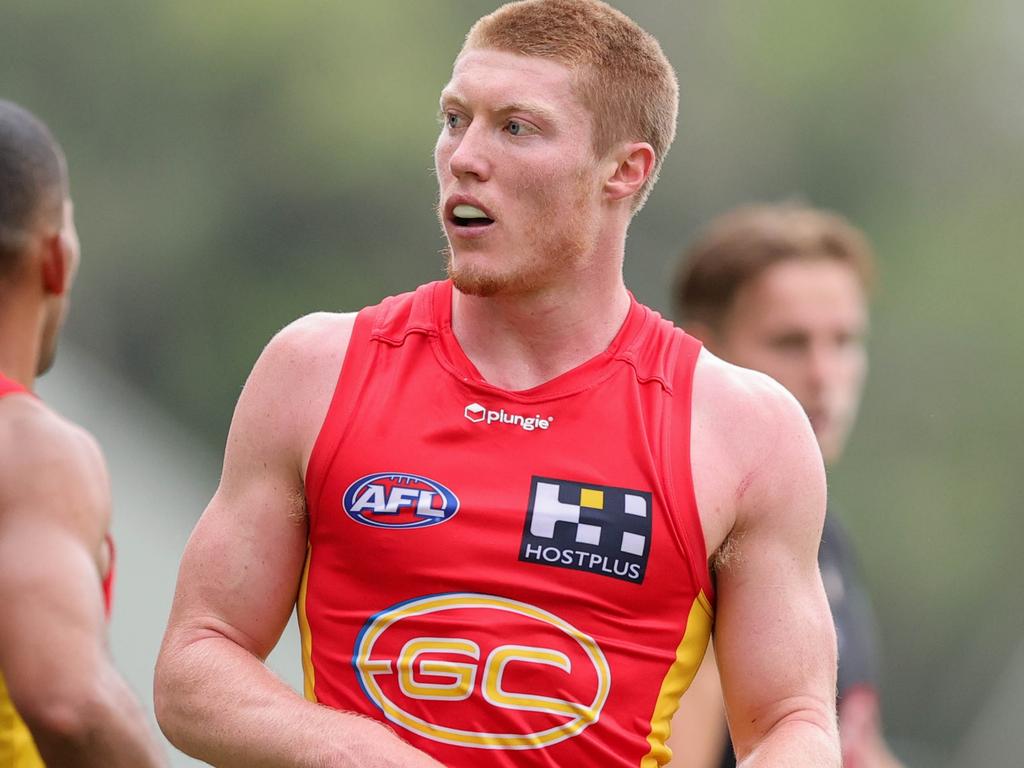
x,y
551,255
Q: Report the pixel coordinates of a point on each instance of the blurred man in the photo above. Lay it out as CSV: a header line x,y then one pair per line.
x,y
783,289
61,701
489,520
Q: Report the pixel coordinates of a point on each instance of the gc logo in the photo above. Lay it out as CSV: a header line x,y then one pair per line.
x,y
468,685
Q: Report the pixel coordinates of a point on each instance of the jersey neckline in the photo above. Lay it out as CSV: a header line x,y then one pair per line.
x,y
9,386
585,375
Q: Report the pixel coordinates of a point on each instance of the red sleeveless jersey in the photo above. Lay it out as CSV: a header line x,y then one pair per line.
x,y
507,578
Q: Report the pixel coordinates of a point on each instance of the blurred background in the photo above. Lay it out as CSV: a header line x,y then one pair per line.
x,y
237,165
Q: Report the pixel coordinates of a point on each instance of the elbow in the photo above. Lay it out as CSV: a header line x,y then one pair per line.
x,y
166,699
163,707
175,688
67,716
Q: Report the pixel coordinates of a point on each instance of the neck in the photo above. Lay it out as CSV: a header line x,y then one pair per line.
x,y
20,334
521,341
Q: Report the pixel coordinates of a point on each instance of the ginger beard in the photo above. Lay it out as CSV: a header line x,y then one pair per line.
x,y
560,235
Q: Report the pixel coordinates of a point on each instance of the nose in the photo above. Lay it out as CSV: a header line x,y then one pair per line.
x,y
823,365
471,154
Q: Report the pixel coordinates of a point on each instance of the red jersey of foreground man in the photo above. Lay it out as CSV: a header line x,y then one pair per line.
x,y
482,495
61,701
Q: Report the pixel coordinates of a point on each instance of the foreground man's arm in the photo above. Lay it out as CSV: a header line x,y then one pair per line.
x,y
239,579
774,638
54,509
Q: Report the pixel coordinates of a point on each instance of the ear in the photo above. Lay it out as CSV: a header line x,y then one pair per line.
x,y
634,165
56,264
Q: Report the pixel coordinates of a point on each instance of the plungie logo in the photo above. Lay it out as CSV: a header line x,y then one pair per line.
x,y
448,668
477,414
397,500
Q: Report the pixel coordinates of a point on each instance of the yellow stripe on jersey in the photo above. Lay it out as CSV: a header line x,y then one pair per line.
x,y
689,655
308,676
17,750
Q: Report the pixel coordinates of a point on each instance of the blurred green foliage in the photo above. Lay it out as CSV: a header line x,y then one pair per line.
x,y
237,165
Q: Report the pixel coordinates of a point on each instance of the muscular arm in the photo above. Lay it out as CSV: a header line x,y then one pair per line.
x,y
54,509
774,638
239,579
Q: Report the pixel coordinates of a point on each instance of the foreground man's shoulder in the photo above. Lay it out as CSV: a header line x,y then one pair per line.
x,y
304,345
313,331
743,399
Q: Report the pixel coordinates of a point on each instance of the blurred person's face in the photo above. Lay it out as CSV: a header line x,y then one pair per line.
x,y
519,191
57,306
803,323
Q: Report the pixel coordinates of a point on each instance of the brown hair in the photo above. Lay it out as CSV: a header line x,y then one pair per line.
x,y
739,245
622,75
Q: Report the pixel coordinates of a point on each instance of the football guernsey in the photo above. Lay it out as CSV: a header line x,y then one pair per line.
x,y
506,578
17,750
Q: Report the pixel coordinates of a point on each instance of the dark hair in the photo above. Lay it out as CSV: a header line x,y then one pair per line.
x,y
33,178
739,245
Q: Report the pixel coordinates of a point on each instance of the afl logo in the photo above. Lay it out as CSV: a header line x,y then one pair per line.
x,y
395,500
448,668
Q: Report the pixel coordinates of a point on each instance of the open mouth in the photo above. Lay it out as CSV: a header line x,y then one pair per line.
x,y
470,216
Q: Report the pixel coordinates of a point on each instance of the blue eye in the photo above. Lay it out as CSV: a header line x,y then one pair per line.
x,y
452,120
515,128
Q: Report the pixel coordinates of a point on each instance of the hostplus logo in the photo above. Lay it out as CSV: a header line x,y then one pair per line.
x,y
586,527
478,414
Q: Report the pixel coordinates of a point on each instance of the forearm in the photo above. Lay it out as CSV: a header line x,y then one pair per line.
x,y
107,730
219,703
796,744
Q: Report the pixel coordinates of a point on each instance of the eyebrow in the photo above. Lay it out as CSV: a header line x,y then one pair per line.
x,y
530,107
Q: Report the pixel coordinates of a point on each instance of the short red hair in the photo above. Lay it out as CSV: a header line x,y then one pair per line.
x,y
623,76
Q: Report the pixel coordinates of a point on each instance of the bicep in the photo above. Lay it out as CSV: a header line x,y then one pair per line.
x,y
241,569
240,572
53,637
54,508
774,634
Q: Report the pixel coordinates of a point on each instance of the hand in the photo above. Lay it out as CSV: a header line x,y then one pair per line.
x,y
860,731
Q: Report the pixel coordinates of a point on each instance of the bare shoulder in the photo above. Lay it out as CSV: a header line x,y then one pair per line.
x,y
291,384
314,334
753,447
746,403
312,343
53,470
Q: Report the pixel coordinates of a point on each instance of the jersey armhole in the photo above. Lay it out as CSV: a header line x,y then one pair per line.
x,y
679,464
351,377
